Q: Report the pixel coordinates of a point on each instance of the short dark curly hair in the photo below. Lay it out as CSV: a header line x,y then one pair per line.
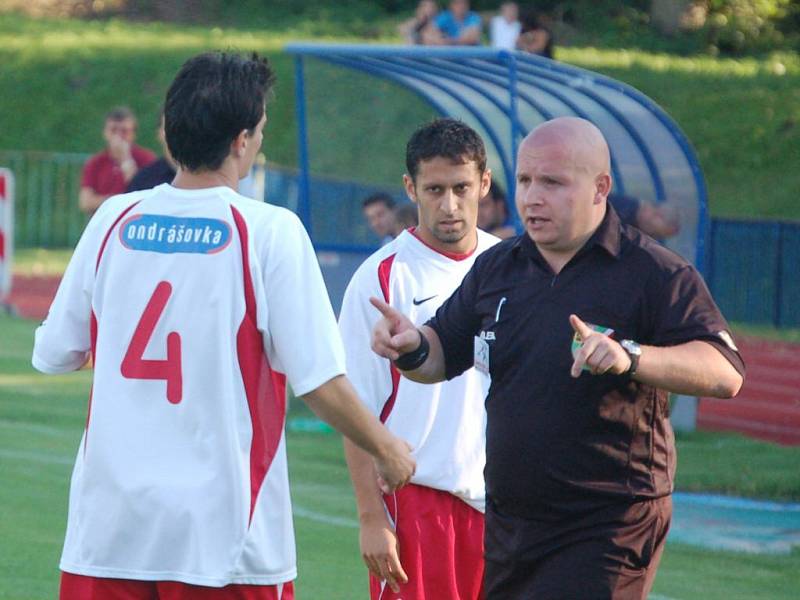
x,y
214,97
448,138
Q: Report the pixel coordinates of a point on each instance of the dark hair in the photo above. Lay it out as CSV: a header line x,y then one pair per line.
x,y
377,197
120,113
448,138
212,99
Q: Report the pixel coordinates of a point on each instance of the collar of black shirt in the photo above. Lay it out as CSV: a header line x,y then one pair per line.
x,y
607,236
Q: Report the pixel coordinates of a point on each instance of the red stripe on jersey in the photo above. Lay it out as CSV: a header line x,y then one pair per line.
x,y
2,187
450,255
108,234
265,389
384,273
2,246
93,340
93,322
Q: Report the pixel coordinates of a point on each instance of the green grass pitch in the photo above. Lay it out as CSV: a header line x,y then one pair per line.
x,y
41,418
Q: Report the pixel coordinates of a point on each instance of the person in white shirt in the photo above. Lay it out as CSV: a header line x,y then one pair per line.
x,y
431,531
504,28
192,301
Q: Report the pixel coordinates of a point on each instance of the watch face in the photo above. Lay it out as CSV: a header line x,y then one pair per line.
x,y
631,347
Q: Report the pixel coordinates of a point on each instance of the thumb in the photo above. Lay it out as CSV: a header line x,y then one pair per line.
x,y
581,328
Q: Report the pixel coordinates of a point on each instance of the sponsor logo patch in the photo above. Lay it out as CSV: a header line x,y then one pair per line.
x,y
169,235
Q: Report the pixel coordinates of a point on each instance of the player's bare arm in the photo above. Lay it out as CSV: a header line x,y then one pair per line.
x,y
89,200
336,402
377,538
695,368
395,335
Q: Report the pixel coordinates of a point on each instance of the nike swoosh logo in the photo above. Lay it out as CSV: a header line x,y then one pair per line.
x,y
418,302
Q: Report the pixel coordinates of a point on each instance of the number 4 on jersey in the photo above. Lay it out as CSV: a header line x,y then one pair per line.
x,y
134,366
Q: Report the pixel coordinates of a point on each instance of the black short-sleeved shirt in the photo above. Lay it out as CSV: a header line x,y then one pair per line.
x,y
152,175
556,444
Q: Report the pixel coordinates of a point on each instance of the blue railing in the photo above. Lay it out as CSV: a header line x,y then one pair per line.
x,y
750,268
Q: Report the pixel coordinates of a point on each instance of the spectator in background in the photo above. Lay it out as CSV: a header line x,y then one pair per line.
x,y
161,171
535,37
379,212
107,173
457,26
504,29
657,221
418,29
406,216
493,213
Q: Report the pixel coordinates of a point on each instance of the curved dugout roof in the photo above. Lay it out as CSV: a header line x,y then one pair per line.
x,y
503,95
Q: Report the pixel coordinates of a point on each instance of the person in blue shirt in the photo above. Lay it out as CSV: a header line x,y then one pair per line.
x,y
458,26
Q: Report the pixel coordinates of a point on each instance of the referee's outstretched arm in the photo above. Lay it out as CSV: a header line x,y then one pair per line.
x,y
417,352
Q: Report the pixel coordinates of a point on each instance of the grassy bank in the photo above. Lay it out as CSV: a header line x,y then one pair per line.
x,y
743,116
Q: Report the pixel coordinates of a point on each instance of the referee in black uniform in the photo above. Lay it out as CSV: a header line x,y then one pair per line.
x,y
585,325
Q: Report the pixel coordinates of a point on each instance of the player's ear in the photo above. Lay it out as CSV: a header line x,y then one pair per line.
x,y
411,190
239,144
486,182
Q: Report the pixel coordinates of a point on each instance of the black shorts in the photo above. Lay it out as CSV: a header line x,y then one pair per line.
x,y
610,553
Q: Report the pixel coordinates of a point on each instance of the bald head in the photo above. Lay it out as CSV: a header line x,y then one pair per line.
x,y
576,140
563,182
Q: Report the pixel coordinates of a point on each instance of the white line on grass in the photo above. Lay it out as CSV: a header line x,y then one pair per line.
x,y
52,459
36,428
305,513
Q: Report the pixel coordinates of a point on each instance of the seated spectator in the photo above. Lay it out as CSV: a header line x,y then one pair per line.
x,y
379,212
656,220
493,213
108,172
534,37
418,29
457,26
504,29
161,171
406,216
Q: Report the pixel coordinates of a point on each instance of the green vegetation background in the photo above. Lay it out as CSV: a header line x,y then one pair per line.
x,y
60,76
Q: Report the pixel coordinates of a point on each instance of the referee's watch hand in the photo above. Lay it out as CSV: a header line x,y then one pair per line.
x,y
598,352
394,333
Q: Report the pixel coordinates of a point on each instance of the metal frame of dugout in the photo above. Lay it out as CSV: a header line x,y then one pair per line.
x,y
503,95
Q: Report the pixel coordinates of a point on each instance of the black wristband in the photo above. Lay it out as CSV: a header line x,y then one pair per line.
x,y
414,359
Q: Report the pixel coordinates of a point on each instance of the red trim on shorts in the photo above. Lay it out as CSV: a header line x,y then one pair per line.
x,y
83,587
450,255
265,389
384,275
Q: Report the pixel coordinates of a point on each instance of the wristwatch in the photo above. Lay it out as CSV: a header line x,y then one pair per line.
x,y
634,352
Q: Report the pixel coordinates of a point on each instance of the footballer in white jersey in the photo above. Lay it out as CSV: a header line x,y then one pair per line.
x,y
444,423
193,300
432,530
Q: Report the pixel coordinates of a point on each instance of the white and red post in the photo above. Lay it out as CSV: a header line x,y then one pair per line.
x,y
6,231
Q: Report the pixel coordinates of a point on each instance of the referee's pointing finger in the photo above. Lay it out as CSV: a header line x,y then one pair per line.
x,y
581,328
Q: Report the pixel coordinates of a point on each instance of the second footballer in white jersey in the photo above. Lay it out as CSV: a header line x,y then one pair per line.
x,y
193,300
434,528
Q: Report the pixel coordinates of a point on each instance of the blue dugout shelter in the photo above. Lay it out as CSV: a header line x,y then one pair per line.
x,y
503,95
